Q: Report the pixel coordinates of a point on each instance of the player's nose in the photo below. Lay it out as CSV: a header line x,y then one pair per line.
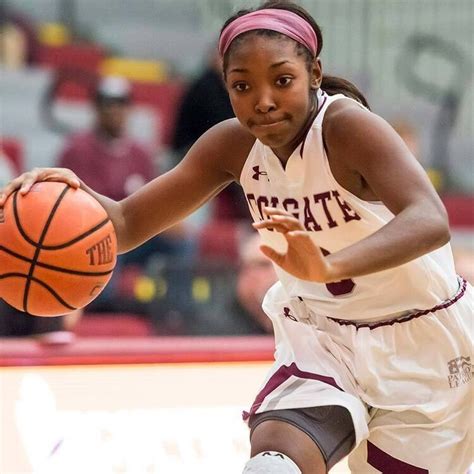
x,y
265,102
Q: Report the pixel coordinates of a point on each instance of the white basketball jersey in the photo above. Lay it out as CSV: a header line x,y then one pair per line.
x,y
336,219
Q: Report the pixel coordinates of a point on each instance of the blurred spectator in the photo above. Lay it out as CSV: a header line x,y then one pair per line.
x,y
206,103
238,310
105,157
116,165
256,275
18,38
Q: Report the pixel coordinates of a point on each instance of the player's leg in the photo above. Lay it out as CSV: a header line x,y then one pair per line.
x,y
307,440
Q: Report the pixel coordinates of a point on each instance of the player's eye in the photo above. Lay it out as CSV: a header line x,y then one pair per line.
x,y
284,81
240,86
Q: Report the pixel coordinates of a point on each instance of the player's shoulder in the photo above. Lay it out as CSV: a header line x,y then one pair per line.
x,y
347,122
344,111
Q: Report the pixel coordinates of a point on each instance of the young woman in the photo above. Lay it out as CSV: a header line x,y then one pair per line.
x,y
371,322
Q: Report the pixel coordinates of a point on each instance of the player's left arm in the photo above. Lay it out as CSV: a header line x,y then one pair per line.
x,y
368,145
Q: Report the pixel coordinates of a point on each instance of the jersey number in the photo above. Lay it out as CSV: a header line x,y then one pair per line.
x,y
339,288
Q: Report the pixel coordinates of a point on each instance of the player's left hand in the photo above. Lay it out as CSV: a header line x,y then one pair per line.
x,y
303,259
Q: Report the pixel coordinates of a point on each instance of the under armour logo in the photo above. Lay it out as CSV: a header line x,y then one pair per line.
x,y
287,314
258,173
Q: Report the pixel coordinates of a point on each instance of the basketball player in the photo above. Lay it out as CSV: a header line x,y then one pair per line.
x,y
372,325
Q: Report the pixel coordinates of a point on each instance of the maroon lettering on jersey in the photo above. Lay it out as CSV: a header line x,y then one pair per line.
x,y
274,201
348,213
291,204
262,201
309,220
251,200
324,198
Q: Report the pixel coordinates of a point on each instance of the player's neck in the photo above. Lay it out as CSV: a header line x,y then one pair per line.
x,y
284,154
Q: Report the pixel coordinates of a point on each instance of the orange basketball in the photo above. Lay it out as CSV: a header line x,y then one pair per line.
x,y
57,249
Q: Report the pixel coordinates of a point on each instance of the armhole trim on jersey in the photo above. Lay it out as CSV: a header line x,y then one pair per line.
x,y
326,159
245,168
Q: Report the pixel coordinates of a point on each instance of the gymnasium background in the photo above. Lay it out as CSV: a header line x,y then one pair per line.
x,y
116,394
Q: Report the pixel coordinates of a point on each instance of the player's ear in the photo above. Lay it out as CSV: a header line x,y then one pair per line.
x,y
316,74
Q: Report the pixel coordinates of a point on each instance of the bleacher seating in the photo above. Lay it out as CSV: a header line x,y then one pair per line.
x,y
113,325
86,57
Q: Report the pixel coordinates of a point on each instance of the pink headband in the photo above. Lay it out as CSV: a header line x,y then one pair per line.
x,y
282,21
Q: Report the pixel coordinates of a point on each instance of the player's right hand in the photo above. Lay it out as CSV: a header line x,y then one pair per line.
x,y
26,180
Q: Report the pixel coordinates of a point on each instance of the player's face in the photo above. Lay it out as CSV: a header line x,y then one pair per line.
x,y
270,90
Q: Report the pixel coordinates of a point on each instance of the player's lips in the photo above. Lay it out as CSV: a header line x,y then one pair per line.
x,y
267,124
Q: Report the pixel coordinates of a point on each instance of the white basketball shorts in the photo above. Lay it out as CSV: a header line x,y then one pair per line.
x,y
407,382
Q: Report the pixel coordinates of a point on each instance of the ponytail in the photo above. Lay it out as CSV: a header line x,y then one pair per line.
x,y
333,85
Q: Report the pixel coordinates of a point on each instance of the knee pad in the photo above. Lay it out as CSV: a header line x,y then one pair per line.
x,y
271,462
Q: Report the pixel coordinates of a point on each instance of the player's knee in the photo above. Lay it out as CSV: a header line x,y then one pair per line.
x,y
271,462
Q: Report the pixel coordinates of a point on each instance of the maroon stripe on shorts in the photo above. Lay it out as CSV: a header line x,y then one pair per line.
x,y
403,319
388,464
281,376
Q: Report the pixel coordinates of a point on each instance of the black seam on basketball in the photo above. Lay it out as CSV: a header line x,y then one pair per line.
x,y
40,282
18,222
71,272
14,254
77,239
53,267
38,248
52,247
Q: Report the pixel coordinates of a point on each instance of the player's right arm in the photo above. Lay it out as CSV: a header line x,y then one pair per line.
x,y
211,164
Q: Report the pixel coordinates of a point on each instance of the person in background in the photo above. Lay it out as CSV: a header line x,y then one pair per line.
x,y
236,309
205,104
106,155
118,165
19,45
255,276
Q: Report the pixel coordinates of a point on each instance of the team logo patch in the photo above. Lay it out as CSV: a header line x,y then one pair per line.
x,y
460,371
